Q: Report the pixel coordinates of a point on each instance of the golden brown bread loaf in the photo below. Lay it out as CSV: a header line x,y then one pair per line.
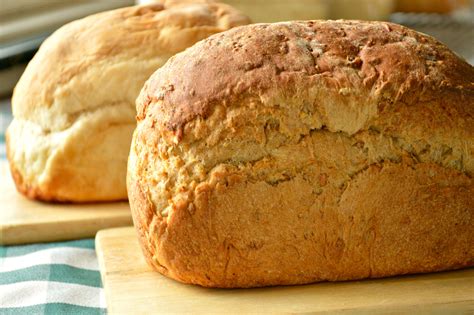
x,y
299,152
74,107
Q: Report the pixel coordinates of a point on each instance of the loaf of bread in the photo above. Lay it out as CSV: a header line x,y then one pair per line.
x,y
74,106
291,153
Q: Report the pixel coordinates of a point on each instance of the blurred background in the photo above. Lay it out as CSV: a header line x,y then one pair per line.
x,y
24,24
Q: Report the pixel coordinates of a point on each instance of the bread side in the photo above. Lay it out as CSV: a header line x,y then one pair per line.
x,y
73,107
305,151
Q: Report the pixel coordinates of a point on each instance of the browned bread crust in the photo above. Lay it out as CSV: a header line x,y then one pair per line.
x,y
299,152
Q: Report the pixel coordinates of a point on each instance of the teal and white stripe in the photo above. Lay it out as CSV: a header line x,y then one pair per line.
x,y
53,278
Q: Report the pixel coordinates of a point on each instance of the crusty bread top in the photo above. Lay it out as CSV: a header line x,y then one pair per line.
x,y
87,63
343,76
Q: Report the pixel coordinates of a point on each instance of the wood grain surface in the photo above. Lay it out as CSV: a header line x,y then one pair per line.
x,y
131,287
26,221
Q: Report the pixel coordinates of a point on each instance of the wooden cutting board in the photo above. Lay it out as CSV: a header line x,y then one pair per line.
x,y
25,221
131,287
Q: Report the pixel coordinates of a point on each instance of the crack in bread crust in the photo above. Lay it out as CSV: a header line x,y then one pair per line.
x,y
183,171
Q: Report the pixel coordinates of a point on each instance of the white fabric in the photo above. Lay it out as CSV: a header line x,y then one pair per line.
x,y
75,257
29,293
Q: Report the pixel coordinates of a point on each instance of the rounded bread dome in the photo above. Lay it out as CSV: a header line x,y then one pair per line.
x,y
305,151
74,106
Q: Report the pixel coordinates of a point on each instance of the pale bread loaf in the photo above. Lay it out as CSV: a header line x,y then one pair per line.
x,y
74,107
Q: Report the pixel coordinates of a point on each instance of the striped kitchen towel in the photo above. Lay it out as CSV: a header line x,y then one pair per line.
x,y
53,278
